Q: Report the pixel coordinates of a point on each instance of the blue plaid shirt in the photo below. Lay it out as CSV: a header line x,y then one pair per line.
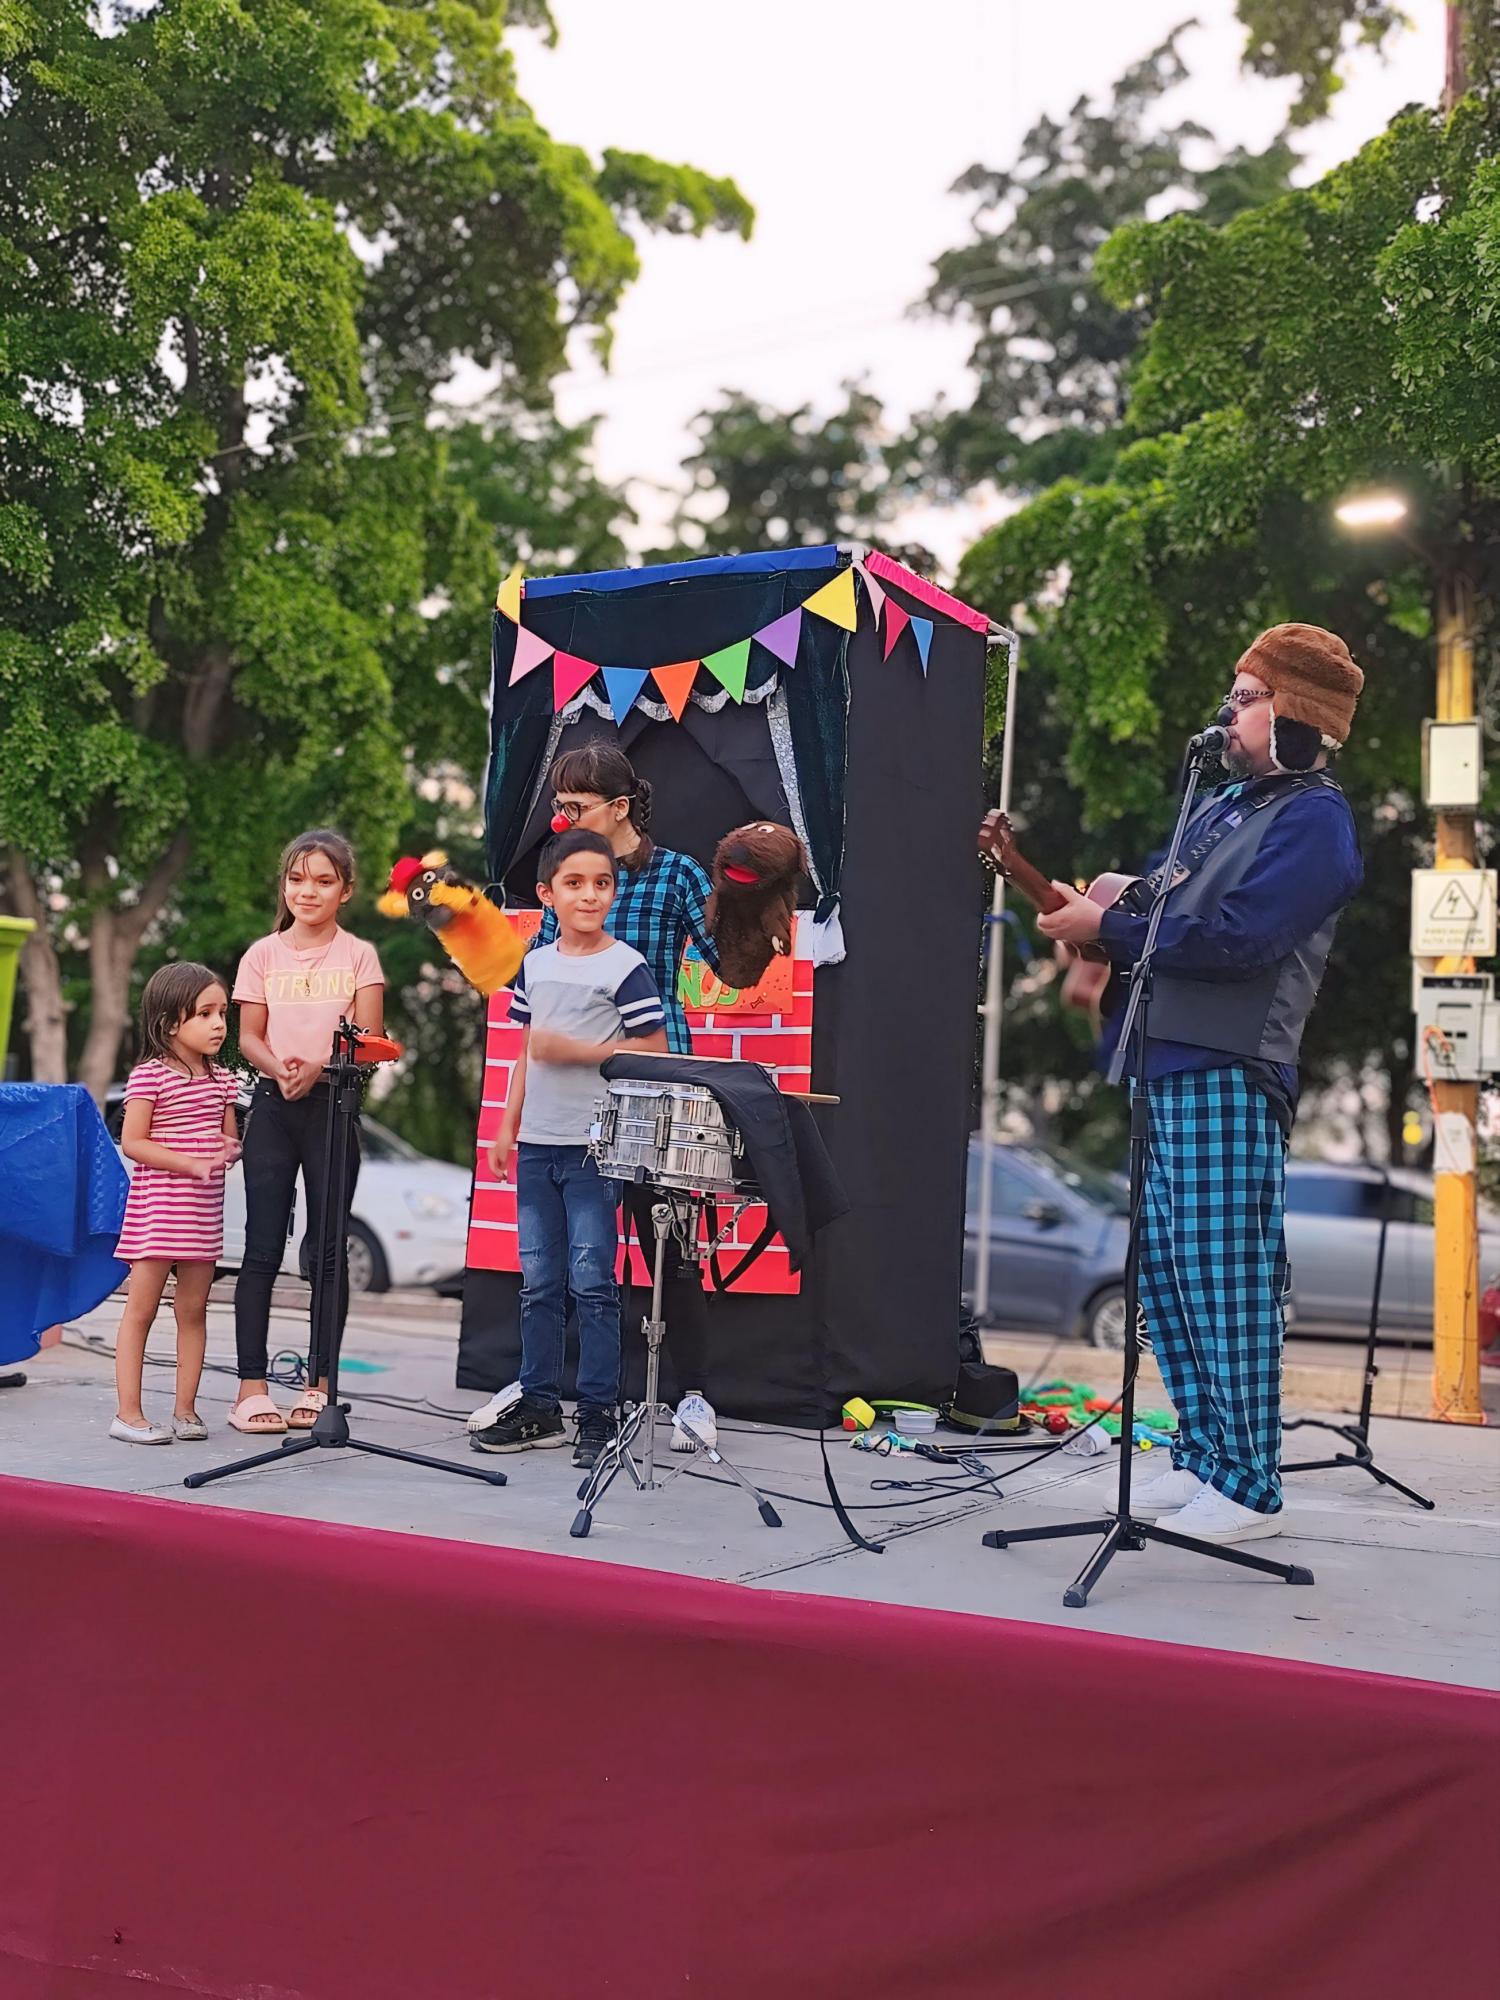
x,y
657,909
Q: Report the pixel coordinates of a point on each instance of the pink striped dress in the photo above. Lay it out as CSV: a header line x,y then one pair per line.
x,y
171,1216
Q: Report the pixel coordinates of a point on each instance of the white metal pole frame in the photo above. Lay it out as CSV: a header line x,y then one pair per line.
x,y
989,1100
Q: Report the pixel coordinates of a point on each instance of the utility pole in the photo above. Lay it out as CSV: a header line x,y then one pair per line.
x,y
1455,1264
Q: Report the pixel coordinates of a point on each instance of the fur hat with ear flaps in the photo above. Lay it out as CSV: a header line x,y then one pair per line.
x,y
1311,675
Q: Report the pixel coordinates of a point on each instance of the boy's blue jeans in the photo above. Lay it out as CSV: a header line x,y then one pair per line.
x,y
565,1215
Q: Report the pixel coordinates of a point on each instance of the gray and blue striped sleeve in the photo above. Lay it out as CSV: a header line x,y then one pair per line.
x,y
639,1002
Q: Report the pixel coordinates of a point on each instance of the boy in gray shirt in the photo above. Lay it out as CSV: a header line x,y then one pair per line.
x,y
577,1001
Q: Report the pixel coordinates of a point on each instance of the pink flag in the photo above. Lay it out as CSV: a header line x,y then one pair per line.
x,y
530,652
896,622
569,673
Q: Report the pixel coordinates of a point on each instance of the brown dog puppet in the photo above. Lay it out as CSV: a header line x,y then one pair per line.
x,y
755,873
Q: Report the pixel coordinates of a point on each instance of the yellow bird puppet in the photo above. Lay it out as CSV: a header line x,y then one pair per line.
x,y
478,937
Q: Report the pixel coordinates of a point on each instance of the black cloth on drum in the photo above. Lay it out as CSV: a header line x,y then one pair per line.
x,y
796,1178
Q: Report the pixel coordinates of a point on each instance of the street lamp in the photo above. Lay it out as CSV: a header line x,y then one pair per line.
x,y
1455,1288
1371,510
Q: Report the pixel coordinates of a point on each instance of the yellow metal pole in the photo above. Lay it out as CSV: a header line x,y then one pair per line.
x,y
1455,1267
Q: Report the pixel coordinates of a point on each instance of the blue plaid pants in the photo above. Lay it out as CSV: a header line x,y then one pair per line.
x,y
1213,1273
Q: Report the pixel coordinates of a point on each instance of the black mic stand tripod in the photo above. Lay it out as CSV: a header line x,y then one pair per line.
x,y
1357,1434
1121,1529
331,1431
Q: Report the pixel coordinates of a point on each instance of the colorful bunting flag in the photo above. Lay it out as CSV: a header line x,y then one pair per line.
x,y
873,590
729,666
530,652
508,596
569,674
782,636
835,601
896,622
922,633
676,684
623,684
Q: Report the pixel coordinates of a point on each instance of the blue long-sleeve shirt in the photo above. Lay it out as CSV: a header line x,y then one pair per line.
x,y
1307,866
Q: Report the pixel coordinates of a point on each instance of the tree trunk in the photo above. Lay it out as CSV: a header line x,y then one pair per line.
x,y
1455,57
111,959
115,938
41,980
1400,1070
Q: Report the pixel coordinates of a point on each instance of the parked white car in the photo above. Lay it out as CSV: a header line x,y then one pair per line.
x,y
410,1221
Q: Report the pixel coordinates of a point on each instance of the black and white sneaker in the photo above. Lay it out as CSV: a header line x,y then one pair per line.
x,y
596,1429
530,1426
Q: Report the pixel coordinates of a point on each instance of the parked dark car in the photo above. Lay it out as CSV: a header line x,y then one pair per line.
x,y
1058,1237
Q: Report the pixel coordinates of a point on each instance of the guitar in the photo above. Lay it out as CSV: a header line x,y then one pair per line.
x,y
997,846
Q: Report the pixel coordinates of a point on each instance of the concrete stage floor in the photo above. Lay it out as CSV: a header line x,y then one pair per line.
x,y
1398,1590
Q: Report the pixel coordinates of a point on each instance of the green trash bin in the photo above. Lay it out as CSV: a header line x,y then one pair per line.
x,y
14,932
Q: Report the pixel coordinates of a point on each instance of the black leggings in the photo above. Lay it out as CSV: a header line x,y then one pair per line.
x,y
684,1305
282,1138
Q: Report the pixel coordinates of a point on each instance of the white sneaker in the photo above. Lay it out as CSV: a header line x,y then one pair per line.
x,y
500,1404
699,1412
1164,1493
1214,1517
139,1433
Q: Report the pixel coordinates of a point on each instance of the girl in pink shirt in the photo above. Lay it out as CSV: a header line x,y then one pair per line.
x,y
291,988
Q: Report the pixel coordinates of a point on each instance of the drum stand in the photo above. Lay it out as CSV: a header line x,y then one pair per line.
x,y
680,1212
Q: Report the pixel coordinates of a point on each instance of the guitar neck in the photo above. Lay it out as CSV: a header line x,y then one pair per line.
x,y
1032,883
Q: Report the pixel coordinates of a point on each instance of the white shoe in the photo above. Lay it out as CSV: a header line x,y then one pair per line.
x,y
500,1404
699,1412
139,1433
1166,1492
1214,1517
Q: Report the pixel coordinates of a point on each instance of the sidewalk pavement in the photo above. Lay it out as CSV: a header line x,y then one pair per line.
x,y
1398,1590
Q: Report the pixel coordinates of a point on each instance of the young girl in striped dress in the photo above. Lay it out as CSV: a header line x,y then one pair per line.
x,y
180,1132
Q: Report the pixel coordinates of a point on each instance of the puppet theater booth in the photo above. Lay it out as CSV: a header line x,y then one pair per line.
x,y
836,692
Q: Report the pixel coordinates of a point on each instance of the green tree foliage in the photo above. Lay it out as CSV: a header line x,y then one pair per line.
x,y
1343,334
1051,351
1312,40
762,477
243,564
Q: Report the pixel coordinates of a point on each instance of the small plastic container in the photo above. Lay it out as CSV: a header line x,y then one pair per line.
x,y
913,1423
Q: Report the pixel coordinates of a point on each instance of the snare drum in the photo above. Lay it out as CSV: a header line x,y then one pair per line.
x,y
673,1135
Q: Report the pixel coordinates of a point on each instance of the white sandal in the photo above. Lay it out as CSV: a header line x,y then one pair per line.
x,y
139,1433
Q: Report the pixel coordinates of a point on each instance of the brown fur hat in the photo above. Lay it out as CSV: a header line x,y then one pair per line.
x,y
1312,676
756,871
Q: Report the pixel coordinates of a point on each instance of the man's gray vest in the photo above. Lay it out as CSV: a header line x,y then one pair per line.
x,y
1263,1015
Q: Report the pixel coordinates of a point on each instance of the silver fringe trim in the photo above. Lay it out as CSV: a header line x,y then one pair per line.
x,y
780,725
658,710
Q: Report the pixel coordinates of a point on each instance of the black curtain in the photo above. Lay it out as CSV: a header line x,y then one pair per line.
x,y
653,625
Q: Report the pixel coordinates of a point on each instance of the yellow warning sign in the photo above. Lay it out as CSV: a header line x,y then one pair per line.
x,y
1453,913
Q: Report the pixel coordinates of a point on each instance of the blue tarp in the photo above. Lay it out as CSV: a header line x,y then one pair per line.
x,y
768,561
62,1200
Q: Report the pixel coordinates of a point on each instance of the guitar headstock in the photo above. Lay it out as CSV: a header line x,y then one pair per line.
x,y
996,840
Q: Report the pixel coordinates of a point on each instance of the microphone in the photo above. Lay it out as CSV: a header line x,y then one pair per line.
x,y
1214,740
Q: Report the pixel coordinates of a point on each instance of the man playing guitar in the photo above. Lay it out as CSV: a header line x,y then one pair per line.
x,y
1267,863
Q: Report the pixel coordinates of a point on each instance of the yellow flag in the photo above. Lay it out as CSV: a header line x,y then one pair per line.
x,y
835,601
508,597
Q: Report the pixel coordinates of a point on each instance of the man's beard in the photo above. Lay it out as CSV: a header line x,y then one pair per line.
x,y
1236,762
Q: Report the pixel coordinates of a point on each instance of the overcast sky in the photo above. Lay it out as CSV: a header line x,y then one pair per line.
x,y
846,122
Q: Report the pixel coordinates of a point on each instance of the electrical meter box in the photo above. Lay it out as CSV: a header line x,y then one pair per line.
x,y
1458,1027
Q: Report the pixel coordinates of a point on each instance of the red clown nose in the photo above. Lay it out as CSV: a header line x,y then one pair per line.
x,y
559,822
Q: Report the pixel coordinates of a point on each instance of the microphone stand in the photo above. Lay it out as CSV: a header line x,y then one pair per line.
x,y
331,1430
1121,1529
1357,1434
